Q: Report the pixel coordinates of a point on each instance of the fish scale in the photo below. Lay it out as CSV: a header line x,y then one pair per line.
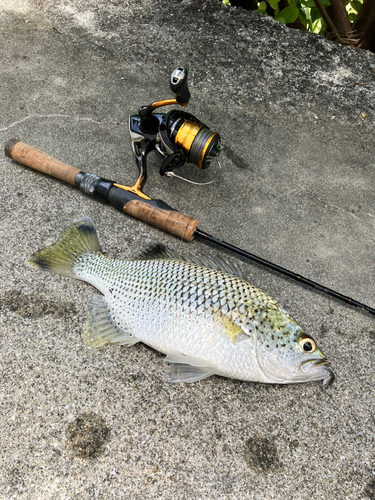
x,y
204,319
156,281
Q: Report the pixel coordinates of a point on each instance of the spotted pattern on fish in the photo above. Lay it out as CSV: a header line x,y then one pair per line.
x,y
205,319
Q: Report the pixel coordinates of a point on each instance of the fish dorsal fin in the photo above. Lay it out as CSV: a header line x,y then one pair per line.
x,y
158,252
161,252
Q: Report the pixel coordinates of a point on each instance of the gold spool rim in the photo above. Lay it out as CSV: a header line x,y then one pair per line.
x,y
185,136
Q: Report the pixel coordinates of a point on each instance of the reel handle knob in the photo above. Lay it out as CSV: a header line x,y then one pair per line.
x,y
178,84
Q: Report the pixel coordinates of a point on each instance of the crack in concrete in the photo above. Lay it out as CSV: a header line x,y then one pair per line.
x,y
38,116
356,215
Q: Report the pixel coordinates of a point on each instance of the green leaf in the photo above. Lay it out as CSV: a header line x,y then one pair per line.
x,y
310,3
304,11
323,29
262,8
302,17
315,14
273,4
288,15
356,5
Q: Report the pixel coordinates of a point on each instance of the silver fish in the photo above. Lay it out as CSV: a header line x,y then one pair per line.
x,y
201,313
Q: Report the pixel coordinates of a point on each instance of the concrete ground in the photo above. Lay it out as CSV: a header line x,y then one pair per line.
x,y
296,114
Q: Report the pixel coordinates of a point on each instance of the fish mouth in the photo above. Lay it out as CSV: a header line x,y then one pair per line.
x,y
330,374
320,370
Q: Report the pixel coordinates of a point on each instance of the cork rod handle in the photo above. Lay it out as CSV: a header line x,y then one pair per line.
x,y
171,221
154,212
31,157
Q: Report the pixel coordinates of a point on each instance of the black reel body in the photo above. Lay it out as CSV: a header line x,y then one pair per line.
x,y
178,137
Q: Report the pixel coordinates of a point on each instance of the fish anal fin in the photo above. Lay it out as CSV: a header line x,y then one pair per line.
x,y
102,329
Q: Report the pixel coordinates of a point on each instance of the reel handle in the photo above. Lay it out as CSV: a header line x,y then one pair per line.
x,y
178,84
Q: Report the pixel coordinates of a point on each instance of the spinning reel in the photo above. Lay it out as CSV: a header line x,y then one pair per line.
x,y
178,137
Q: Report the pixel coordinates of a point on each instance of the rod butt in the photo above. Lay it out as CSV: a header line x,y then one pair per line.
x,y
8,148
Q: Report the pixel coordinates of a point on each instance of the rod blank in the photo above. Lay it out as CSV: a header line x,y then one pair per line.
x,y
282,270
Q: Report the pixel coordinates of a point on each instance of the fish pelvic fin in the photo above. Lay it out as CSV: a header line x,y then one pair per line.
x,y
102,328
187,369
186,373
59,258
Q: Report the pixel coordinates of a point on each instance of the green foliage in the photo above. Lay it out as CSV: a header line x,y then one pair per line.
x,y
288,15
304,10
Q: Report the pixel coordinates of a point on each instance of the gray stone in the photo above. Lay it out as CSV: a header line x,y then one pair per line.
x,y
296,115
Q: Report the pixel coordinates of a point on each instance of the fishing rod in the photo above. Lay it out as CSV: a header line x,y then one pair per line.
x,y
178,137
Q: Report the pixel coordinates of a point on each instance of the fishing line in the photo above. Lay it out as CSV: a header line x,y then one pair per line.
x,y
193,198
172,174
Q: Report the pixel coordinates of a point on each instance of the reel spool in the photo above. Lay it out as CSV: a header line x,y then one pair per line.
x,y
199,144
178,137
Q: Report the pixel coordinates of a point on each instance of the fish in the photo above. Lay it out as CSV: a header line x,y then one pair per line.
x,y
198,311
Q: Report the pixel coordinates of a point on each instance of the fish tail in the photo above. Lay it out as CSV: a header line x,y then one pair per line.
x,y
60,258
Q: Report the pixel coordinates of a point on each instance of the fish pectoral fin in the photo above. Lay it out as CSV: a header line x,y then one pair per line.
x,y
102,329
229,327
188,369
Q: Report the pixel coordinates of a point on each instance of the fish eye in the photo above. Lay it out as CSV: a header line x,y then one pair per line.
x,y
307,344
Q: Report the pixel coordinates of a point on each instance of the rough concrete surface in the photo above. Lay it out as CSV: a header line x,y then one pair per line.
x,y
296,114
